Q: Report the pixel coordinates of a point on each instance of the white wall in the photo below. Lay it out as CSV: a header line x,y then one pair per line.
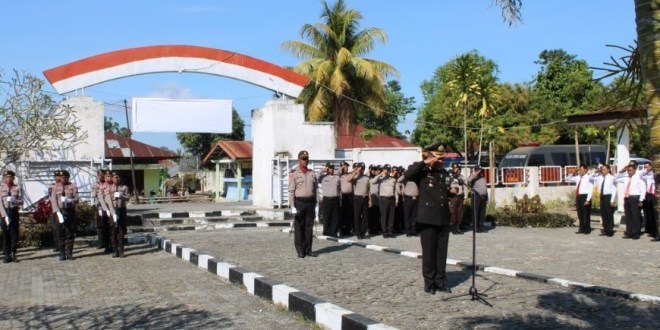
x,y
381,156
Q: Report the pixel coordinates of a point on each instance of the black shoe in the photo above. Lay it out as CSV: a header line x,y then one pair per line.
x,y
610,234
627,237
56,250
312,254
115,254
301,255
442,288
429,289
579,232
69,256
587,232
107,250
62,256
386,236
6,260
635,237
13,257
656,239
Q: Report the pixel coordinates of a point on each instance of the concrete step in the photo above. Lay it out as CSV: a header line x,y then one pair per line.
x,y
209,226
200,221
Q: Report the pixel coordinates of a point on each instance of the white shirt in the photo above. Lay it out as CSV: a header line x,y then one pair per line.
x,y
583,184
637,185
649,178
608,188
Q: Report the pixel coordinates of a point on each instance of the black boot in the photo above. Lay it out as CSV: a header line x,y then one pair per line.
x,y
115,253
62,256
121,251
13,256
69,255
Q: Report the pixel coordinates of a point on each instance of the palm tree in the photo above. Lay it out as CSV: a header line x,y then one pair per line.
x,y
646,13
340,79
487,91
464,82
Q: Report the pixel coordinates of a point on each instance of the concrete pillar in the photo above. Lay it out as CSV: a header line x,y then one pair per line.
x,y
622,159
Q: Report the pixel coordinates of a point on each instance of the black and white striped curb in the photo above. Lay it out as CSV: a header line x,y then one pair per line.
x,y
312,308
224,226
584,287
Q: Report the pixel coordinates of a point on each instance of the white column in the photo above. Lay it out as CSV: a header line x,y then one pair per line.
x,y
622,159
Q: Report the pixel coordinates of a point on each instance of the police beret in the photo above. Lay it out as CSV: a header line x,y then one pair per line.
x,y
356,165
437,150
387,167
115,174
65,173
329,165
9,173
58,173
344,163
303,154
362,165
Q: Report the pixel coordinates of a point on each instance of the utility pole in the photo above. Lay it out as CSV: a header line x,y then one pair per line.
x,y
130,151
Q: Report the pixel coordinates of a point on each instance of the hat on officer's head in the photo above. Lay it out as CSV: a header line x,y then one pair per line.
x,y
115,174
329,165
58,173
437,150
362,165
65,173
387,167
9,173
303,154
344,163
356,164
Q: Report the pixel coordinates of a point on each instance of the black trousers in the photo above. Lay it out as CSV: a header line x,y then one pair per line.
x,y
102,227
435,240
607,213
583,213
633,215
479,209
303,224
374,215
118,229
456,209
650,215
10,232
56,231
66,230
330,212
360,215
410,214
387,208
346,214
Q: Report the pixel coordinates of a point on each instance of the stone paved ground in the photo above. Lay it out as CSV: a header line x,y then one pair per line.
x,y
147,289
388,287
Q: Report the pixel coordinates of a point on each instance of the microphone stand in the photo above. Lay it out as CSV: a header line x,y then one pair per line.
x,y
476,296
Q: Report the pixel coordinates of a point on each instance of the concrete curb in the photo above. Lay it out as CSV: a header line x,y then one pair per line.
x,y
312,308
584,287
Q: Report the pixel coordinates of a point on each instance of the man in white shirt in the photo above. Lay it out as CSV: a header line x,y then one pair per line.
x,y
650,212
583,198
633,200
607,190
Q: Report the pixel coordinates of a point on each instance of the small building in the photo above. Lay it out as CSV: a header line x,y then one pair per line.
x,y
232,176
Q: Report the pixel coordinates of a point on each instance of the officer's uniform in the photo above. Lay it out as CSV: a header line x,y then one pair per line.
x,y
388,200
330,203
584,188
12,199
410,194
346,205
456,205
53,219
360,200
374,201
117,196
302,196
64,199
433,219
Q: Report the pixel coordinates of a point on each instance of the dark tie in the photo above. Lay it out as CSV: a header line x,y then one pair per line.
x,y
602,186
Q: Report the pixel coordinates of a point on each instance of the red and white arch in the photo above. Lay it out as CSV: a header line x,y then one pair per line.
x,y
174,58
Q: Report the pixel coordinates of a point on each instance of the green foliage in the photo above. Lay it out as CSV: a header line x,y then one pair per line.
x,y
84,217
113,126
508,217
528,205
35,234
397,106
199,144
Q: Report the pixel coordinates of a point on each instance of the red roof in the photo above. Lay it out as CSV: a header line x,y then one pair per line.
x,y
349,140
236,150
116,146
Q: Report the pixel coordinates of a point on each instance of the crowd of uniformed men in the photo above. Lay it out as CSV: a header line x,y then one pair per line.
x,y
109,197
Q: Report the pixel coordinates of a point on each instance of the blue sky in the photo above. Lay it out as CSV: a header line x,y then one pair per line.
x,y
423,35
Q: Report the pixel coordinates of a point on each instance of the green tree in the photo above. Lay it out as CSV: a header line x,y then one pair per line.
x,y
113,126
198,144
32,120
397,106
341,79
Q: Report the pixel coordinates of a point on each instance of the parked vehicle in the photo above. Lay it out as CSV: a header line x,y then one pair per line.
x,y
554,155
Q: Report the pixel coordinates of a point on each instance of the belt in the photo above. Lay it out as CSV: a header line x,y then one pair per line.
x,y
305,199
361,196
330,197
347,194
388,197
413,197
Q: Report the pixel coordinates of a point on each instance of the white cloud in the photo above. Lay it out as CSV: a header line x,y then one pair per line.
x,y
170,90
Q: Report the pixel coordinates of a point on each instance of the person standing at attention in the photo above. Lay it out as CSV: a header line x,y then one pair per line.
x,y
302,197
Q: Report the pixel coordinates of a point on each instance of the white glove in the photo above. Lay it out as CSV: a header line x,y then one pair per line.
x,y
114,217
316,213
117,194
10,199
100,212
64,199
60,217
294,211
6,220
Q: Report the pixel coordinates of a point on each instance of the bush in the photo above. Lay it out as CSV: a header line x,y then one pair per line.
x,y
508,217
35,234
529,205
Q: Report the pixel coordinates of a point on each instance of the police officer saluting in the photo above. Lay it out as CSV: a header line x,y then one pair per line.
x,y
330,203
12,199
346,205
302,197
360,183
388,200
433,218
63,200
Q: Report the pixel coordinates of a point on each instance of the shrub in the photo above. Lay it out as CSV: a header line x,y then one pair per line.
x,y
84,217
35,234
529,205
508,217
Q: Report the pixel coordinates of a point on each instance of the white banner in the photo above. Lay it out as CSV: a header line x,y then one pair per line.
x,y
181,116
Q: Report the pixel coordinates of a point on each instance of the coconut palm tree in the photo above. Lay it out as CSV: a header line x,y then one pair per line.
x,y
340,78
646,13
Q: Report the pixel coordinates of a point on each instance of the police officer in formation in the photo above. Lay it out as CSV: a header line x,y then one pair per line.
x,y
433,217
374,200
607,190
101,211
302,196
583,190
116,195
361,197
410,194
12,199
457,202
387,199
650,212
54,221
64,198
329,183
346,202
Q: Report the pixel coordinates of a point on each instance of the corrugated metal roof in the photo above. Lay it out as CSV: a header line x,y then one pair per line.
x,y
236,150
350,140
117,146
